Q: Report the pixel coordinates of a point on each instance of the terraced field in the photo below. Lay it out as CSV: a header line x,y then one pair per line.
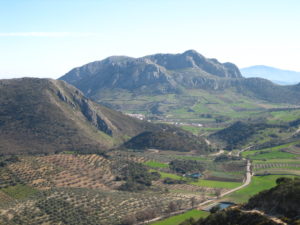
x,y
94,206
64,170
283,167
88,185
285,151
262,166
282,159
53,186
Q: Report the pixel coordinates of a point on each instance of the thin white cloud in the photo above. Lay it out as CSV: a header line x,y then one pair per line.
x,y
47,34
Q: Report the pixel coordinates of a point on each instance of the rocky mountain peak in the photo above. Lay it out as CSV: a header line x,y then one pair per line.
x,y
159,73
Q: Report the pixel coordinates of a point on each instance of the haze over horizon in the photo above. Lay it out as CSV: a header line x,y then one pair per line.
x,y
49,38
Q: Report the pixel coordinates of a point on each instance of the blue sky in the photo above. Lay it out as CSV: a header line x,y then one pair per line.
x,y
47,38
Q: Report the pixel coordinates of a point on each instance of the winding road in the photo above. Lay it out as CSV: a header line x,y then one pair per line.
x,y
247,182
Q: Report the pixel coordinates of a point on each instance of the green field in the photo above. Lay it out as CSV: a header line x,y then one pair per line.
x,y
195,106
216,184
276,148
272,155
201,182
170,175
290,167
68,152
156,164
290,161
175,220
259,183
19,191
285,115
192,129
275,171
192,158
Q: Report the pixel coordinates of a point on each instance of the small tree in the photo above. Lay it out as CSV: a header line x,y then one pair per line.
x,y
214,209
193,202
128,220
172,207
218,192
179,204
146,214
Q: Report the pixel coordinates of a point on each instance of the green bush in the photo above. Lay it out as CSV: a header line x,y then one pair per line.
x,y
186,166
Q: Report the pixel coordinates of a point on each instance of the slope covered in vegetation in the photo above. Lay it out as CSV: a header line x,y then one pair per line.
x,y
47,116
284,199
168,139
274,206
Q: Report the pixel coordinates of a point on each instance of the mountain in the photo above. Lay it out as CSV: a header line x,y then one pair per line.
x,y
46,116
278,76
160,73
160,84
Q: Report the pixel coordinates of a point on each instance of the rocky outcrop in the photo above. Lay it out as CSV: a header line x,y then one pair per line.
x,y
160,73
92,116
192,59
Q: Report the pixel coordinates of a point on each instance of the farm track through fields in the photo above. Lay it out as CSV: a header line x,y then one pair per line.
x,y
211,201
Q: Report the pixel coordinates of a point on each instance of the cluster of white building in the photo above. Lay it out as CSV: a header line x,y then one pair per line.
x,y
138,116
188,124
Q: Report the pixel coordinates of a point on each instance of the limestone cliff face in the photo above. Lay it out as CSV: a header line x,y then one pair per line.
x,y
78,101
192,59
160,73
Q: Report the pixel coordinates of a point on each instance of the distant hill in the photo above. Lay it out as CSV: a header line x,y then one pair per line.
x,y
168,140
238,134
161,83
278,76
46,116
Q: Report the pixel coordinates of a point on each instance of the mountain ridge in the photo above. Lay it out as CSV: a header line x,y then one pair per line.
x,y
276,75
145,83
153,71
46,116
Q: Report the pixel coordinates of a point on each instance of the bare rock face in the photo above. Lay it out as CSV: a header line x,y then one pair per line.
x,y
160,73
91,114
192,59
